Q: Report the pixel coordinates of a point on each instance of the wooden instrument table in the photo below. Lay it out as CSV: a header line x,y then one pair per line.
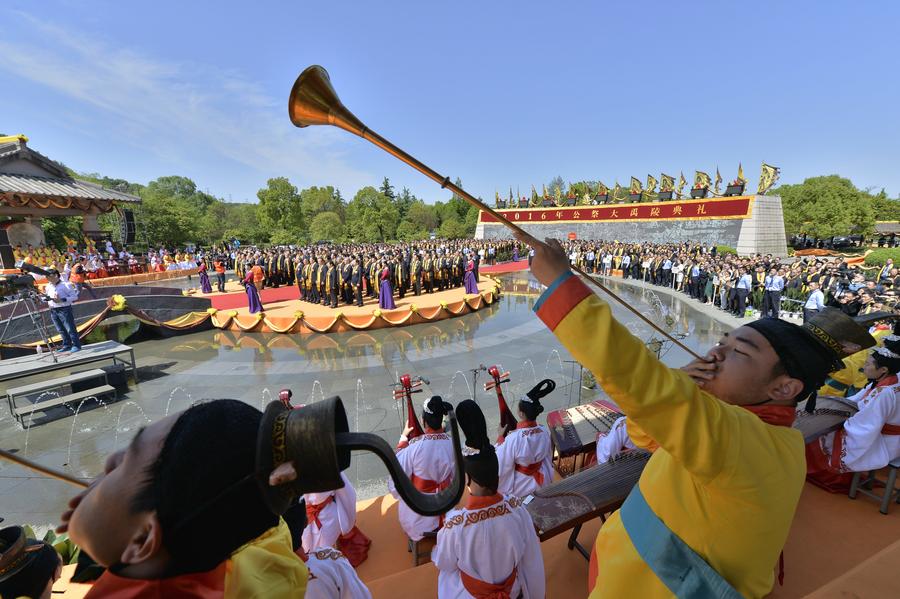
x,y
594,492
829,415
573,433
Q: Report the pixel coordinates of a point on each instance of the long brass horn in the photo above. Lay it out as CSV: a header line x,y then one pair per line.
x,y
313,101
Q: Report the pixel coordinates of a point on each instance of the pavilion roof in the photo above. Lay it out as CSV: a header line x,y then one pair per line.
x,y
53,182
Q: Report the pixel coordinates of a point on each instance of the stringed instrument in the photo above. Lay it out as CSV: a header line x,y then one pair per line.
x,y
403,391
507,420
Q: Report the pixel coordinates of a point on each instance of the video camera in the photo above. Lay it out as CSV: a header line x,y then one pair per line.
x,y
12,285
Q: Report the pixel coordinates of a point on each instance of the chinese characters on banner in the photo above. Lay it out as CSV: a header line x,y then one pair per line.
x,y
711,208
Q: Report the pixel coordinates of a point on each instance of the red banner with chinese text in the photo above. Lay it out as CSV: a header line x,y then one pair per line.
x,y
709,208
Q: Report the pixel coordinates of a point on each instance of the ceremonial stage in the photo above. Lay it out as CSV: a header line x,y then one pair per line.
x,y
284,313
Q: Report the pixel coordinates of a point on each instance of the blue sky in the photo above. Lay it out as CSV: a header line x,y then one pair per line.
x,y
499,94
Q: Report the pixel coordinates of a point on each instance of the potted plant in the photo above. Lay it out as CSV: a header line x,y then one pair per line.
x,y
699,192
635,197
663,195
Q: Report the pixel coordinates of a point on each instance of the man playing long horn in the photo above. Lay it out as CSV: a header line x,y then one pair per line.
x,y
713,507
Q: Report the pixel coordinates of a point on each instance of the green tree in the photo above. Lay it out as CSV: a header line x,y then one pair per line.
x,y
326,226
409,231
57,228
422,216
826,206
386,188
372,216
280,208
453,229
404,200
555,182
885,208
315,200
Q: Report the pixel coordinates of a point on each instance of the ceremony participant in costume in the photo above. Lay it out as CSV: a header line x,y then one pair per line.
x,y
386,294
614,442
428,461
870,439
156,520
415,270
525,455
205,286
332,576
331,522
471,284
28,567
253,301
489,547
714,504
356,282
332,283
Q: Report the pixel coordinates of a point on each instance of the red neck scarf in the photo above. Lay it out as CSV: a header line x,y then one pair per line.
x,y
774,415
526,424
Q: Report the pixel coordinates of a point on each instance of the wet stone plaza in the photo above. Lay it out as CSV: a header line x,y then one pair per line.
x,y
360,367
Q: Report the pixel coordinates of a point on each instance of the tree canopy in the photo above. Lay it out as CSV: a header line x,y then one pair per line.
x,y
831,205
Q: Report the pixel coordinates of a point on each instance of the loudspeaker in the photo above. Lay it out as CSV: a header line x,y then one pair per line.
x,y
7,260
127,223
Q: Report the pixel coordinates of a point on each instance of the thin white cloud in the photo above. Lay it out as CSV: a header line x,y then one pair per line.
x,y
177,109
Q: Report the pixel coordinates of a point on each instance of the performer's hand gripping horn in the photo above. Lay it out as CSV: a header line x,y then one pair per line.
x,y
313,101
315,439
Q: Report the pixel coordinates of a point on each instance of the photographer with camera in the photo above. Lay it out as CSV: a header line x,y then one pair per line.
x,y
60,297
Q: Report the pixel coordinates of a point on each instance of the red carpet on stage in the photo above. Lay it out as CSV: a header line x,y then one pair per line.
x,y
230,301
503,267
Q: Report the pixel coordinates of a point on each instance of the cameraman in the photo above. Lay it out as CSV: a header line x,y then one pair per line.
x,y
60,297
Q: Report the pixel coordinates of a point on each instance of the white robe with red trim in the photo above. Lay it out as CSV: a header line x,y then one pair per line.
x,y
430,457
864,446
487,543
332,577
614,442
524,446
337,518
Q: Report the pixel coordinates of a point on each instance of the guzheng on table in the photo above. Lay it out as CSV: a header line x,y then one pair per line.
x,y
573,433
587,494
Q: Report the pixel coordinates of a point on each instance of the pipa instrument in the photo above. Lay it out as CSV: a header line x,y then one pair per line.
x,y
403,392
507,420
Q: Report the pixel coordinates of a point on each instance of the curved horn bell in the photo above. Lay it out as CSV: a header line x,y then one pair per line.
x,y
317,440
313,101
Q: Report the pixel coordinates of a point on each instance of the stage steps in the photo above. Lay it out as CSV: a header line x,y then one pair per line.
x,y
57,383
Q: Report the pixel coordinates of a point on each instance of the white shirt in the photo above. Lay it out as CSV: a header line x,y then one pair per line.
x,y
864,447
430,457
524,446
61,294
337,518
614,442
332,577
816,300
487,541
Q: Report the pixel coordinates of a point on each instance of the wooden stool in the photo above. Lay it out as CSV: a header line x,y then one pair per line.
x,y
890,490
422,548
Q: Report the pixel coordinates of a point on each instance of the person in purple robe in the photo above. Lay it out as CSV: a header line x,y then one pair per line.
x,y
515,252
205,286
469,281
386,295
253,300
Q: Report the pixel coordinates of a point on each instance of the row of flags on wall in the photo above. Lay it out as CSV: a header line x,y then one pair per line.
x,y
667,184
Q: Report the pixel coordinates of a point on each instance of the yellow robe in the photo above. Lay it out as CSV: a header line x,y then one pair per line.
x,y
722,480
266,567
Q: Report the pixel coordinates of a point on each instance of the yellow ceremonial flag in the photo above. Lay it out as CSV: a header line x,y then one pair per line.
x,y
740,176
616,191
718,181
651,184
667,184
602,190
635,186
681,183
496,198
557,193
767,178
543,191
701,179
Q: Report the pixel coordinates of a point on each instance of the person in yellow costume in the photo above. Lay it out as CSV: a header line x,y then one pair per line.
x,y
850,379
713,507
166,526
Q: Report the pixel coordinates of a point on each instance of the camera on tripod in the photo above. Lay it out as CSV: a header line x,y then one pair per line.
x,y
13,286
